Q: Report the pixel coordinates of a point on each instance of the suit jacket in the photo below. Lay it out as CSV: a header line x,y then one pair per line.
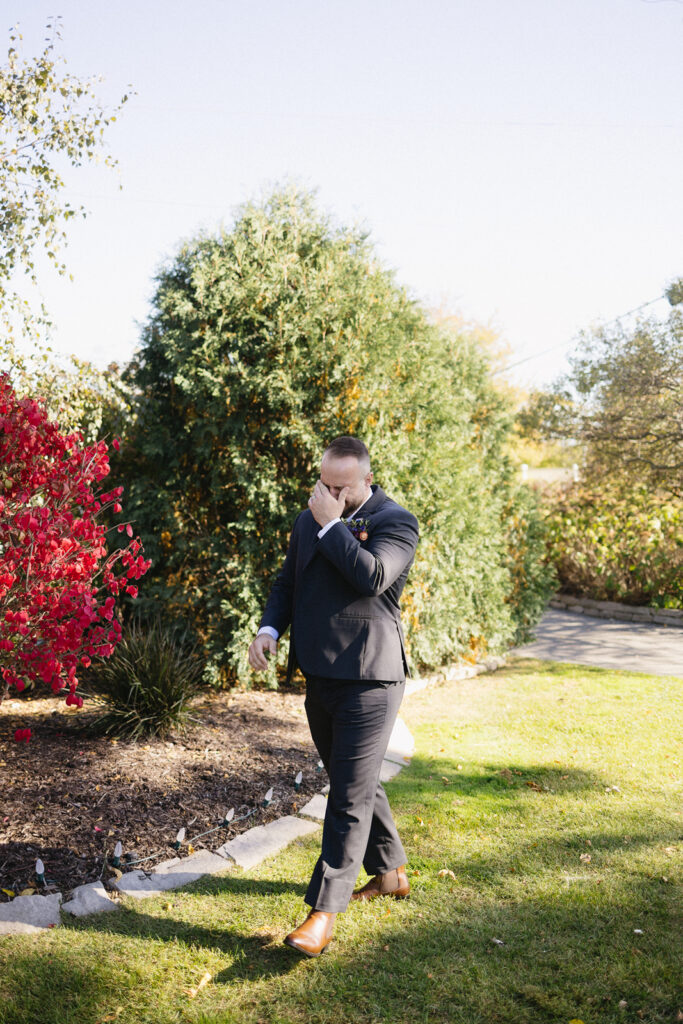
x,y
341,595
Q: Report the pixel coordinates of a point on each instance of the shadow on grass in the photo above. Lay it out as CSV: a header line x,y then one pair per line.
x,y
558,957
83,983
506,791
134,922
561,957
568,949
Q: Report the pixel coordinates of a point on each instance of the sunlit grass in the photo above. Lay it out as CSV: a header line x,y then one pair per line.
x,y
547,795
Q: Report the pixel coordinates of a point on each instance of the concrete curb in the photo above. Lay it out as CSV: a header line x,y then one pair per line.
x,y
615,610
36,913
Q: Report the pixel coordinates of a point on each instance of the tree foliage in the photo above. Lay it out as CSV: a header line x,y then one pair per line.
x,y
617,544
266,341
48,120
622,402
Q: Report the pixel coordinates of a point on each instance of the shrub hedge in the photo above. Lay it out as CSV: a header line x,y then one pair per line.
x,y
617,544
267,340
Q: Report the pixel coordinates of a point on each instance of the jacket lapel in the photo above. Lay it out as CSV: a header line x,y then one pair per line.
x,y
310,540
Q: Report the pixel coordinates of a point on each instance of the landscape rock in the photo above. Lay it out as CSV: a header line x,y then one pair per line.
x,y
91,898
29,914
389,770
250,848
401,744
171,874
315,808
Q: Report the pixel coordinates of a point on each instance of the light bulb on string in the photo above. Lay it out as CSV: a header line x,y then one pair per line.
x,y
118,850
319,767
229,815
298,780
268,797
179,839
40,871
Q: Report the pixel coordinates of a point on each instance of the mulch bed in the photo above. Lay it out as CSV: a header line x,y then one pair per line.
x,y
67,797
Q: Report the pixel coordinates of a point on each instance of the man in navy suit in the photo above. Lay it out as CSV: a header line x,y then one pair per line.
x,y
339,588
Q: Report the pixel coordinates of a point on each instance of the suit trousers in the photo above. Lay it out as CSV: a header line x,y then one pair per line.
x,y
351,723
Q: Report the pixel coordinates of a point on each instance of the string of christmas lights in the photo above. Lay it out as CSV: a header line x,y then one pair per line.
x,y
119,859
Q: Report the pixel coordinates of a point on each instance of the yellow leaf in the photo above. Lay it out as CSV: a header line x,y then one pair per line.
x,y
8,892
192,992
117,874
27,892
190,848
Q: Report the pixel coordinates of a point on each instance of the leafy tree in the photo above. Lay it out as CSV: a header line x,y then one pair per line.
x,y
617,543
265,342
622,403
48,120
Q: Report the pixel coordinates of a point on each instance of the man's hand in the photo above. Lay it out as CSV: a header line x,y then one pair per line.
x,y
257,651
324,507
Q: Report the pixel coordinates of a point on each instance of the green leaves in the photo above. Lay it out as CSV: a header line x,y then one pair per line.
x,y
618,544
622,403
265,342
45,115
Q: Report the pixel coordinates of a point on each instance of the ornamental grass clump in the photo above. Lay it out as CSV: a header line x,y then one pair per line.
x,y
146,688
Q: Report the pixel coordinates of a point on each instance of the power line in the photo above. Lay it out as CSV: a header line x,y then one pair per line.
x,y
563,344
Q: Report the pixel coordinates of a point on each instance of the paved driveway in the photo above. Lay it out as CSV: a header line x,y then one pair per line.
x,y
606,643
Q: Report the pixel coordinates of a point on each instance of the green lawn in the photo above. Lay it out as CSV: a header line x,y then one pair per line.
x,y
548,790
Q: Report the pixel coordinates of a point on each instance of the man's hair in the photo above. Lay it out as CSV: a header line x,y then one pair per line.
x,y
343,446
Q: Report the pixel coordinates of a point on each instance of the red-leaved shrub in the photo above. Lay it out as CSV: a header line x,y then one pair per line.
x,y
58,584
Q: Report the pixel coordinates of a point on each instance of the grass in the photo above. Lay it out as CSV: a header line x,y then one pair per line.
x,y
520,777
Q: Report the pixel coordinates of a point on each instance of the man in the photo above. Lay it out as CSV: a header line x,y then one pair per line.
x,y
339,591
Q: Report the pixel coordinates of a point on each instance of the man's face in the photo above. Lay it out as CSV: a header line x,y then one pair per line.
x,y
347,471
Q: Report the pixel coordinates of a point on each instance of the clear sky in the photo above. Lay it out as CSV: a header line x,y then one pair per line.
x,y
517,161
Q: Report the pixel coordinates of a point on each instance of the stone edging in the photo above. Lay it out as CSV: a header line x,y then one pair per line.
x,y
615,610
36,913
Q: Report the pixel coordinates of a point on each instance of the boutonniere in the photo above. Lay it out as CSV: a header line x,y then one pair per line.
x,y
358,527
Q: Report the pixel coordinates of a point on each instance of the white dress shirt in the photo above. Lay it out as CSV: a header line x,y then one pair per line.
x,y
270,630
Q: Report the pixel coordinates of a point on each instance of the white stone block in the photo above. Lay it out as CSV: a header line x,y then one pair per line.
x,y
171,874
388,771
315,808
92,898
263,841
401,745
415,684
29,914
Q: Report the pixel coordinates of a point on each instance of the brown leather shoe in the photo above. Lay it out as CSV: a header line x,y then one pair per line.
x,y
394,883
314,935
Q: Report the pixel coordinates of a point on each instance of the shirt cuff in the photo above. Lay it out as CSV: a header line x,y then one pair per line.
x,y
321,533
269,630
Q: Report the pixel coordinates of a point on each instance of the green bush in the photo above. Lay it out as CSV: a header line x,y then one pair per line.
x,y
617,544
265,342
147,686
532,574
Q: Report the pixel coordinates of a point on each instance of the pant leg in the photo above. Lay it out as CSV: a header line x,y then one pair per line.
x,y
351,723
384,850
